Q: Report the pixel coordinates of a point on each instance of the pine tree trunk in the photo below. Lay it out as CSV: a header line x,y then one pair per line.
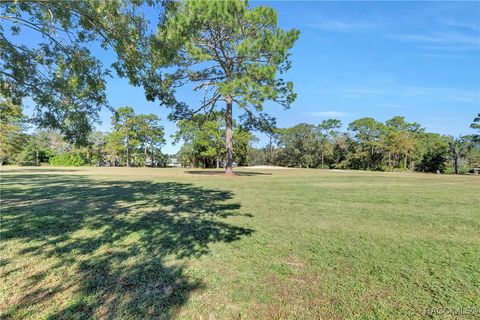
x,y
151,155
145,155
229,137
128,154
455,163
322,160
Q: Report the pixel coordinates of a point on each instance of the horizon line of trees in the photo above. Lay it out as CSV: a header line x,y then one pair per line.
x,y
137,139
368,144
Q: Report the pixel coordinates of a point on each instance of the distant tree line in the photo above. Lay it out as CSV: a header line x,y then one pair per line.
x,y
395,145
203,138
135,140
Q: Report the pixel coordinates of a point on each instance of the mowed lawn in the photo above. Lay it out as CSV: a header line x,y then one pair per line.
x,y
136,243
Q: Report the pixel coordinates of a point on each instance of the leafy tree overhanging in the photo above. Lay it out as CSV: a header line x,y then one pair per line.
x,y
55,67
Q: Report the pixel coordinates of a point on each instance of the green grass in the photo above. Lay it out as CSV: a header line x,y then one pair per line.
x,y
116,243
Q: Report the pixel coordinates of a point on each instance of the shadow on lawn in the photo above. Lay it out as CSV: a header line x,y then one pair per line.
x,y
38,170
124,239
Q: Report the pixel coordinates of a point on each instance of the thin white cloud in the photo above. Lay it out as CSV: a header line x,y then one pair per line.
x,y
429,93
341,26
447,48
361,90
442,56
395,106
460,24
439,38
466,97
332,113
451,94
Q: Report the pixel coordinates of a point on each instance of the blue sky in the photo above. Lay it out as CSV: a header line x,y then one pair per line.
x,y
420,60
380,59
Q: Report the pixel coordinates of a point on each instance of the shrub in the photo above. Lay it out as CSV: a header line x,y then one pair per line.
x,y
26,158
67,159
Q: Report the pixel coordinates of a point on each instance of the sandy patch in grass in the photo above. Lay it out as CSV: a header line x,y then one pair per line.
x,y
266,167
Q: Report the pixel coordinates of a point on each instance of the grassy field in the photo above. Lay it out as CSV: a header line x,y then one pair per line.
x,y
117,243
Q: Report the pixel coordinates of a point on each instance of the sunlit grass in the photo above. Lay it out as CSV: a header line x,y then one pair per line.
x,y
173,243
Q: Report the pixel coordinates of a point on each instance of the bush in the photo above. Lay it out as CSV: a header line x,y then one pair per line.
x,y
67,159
26,158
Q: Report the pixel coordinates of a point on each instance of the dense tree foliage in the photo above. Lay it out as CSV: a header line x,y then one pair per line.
x,y
301,146
395,145
11,125
432,151
203,137
134,140
45,56
67,159
459,148
327,130
367,134
476,125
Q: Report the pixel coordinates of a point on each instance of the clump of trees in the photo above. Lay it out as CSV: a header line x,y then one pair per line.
x,y
396,145
203,139
135,140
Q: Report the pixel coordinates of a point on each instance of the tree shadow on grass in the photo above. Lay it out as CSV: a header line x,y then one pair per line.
x,y
39,170
128,242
